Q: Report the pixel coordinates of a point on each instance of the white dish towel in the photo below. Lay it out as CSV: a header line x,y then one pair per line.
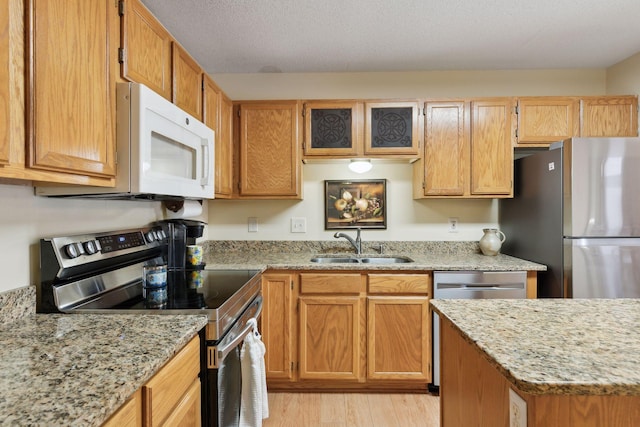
x,y
254,405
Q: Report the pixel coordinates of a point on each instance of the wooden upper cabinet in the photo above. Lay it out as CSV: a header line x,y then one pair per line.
x,y
492,147
392,128
217,111
445,167
269,152
187,82
146,46
5,99
542,120
225,150
71,77
609,116
333,128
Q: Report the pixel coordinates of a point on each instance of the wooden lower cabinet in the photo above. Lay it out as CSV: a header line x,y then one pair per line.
x,y
129,414
347,330
331,337
474,392
398,337
171,393
172,397
277,324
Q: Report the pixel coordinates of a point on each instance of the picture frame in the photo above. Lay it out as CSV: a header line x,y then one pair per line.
x,y
356,203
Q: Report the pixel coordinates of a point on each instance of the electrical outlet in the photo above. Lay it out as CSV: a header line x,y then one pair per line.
x,y
453,225
517,410
252,224
299,225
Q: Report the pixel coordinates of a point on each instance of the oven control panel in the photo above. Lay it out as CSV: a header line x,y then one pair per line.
x,y
91,247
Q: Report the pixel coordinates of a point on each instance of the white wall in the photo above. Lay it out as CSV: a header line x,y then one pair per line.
x,y
407,219
25,218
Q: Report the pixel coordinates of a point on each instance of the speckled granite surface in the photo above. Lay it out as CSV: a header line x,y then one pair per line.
x,y
79,369
17,303
296,255
555,346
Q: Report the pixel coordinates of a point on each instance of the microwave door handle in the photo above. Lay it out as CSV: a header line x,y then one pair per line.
x,y
204,181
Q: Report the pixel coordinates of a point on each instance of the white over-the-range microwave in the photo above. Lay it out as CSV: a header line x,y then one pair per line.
x,y
162,152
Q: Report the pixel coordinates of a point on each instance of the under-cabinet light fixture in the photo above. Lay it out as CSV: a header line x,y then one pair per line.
x,y
360,165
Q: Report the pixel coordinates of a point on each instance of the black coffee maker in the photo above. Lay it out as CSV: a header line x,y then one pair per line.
x,y
180,233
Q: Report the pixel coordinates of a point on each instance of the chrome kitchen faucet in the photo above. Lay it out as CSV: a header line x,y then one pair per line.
x,y
357,243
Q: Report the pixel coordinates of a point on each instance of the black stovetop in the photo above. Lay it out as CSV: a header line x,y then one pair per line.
x,y
188,290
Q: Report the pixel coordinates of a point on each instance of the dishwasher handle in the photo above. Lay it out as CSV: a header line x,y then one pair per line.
x,y
480,286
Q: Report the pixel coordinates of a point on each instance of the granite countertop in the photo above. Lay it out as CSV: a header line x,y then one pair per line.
x,y
78,369
555,346
296,255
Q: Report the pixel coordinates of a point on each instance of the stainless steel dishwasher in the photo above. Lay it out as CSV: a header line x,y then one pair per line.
x,y
472,285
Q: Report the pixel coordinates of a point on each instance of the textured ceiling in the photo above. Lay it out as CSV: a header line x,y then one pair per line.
x,y
291,36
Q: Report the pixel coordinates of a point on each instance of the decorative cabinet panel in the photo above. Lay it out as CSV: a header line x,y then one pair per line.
x,y
609,116
269,153
492,147
542,120
277,324
187,82
5,120
333,128
146,46
71,101
391,128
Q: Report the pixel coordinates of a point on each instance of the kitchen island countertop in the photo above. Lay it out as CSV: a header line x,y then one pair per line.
x,y
555,346
61,369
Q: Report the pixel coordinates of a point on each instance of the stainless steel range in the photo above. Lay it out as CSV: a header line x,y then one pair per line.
x,y
102,273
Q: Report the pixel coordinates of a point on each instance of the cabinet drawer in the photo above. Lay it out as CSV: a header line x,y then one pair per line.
x,y
330,283
166,389
399,283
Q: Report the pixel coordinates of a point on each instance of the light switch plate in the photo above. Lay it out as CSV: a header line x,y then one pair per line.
x,y
252,224
298,225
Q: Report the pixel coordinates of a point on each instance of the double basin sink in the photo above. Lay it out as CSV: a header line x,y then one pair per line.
x,y
346,259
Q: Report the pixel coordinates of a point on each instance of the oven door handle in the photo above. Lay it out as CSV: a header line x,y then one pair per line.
x,y
250,326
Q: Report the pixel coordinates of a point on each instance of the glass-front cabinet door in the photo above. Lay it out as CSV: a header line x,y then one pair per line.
x,y
333,128
392,128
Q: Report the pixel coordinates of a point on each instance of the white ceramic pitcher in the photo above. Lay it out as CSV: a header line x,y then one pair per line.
x,y
491,242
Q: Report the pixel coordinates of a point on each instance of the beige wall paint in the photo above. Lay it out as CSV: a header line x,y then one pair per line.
x,y
412,84
408,219
623,78
25,218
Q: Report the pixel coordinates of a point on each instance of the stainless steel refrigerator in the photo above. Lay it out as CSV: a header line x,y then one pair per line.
x,y
576,208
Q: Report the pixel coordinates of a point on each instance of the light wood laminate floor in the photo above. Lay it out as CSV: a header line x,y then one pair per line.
x,y
352,410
